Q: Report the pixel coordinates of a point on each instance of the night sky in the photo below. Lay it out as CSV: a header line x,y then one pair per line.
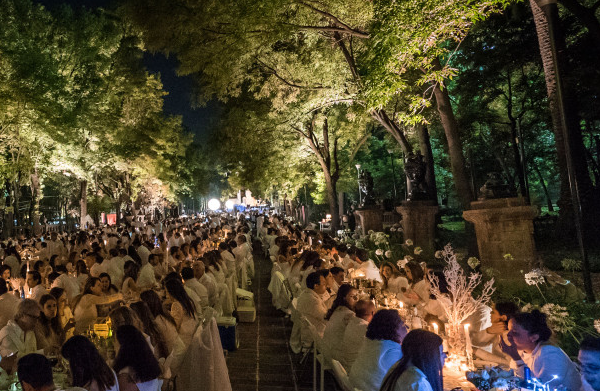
x,y
178,102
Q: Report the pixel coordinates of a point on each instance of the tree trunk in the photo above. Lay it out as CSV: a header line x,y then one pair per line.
x,y
427,152
8,211
332,198
35,202
82,203
457,159
564,117
543,182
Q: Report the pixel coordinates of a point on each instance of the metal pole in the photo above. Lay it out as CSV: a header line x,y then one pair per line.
x,y
550,9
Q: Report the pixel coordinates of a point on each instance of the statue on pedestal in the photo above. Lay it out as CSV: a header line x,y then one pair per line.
x,y
415,169
495,187
365,183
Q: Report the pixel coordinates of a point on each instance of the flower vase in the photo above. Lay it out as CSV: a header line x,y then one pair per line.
x,y
456,339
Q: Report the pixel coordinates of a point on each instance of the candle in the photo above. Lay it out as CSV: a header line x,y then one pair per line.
x,y
27,266
469,347
385,301
435,328
401,305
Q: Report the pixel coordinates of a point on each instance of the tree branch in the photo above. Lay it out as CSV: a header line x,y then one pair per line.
x,y
336,20
273,72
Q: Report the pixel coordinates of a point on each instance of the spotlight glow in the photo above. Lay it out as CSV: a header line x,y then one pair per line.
x,y
229,204
214,204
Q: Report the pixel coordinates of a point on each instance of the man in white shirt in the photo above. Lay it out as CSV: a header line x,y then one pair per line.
x,y
189,281
34,282
144,253
8,304
17,337
355,332
228,258
96,265
67,282
206,280
146,278
311,305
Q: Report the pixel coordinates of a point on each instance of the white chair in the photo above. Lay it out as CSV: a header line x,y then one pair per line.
x,y
317,356
341,375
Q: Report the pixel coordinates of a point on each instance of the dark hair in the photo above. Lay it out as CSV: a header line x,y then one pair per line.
x,y
57,292
416,272
3,286
131,270
590,343
123,315
421,349
534,322
313,279
135,353
335,270
90,282
150,327
80,267
187,273
3,268
155,305
340,299
35,370
507,308
361,254
87,364
387,325
36,275
176,290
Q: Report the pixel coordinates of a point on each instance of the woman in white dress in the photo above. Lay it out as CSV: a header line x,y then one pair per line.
x,y
136,367
130,290
393,282
420,368
84,309
88,368
183,310
164,321
419,291
338,317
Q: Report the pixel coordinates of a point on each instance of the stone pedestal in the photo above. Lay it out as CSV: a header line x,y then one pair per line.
x,y
418,223
504,226
370,219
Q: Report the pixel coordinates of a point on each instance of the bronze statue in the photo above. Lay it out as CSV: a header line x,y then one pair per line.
x,y
415,169
495,187
365,183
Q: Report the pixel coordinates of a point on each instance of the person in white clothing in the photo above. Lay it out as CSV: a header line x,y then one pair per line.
x,y
421,366
528,335
146,279
34,282
8,304
338,317
67,282
18,337
379,352
207,280
35,373
135,364
355,333
189,281
312,307
89,370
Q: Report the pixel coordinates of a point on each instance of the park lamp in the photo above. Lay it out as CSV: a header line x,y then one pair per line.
x,y
358,167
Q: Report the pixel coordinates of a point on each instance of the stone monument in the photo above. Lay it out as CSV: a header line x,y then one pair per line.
x,y
504,228
419,210
369,214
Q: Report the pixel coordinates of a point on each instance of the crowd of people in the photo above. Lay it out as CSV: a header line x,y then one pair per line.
x,y
374,344
151,286
155,285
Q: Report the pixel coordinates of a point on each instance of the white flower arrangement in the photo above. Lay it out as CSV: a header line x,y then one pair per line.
x,y
463,304
418,250
473,262
392,229
557,316
535,277
388,254
402,262
438,254
408,242
379,252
